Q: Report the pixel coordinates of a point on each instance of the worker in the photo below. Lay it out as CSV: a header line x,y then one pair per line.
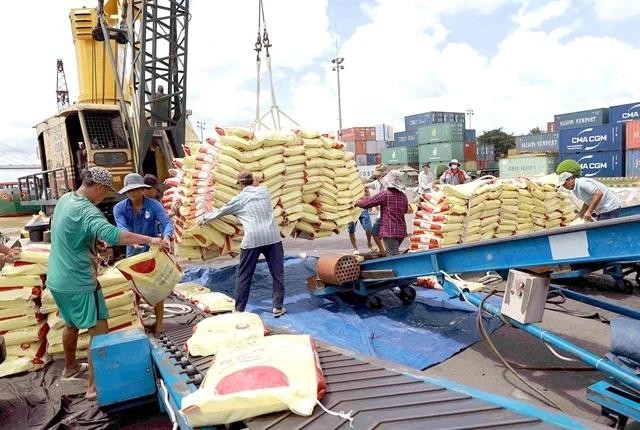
x,y
393,207
599,202
425,179
253,208
375,185
155,188
77,226
142,215
454,175
365,222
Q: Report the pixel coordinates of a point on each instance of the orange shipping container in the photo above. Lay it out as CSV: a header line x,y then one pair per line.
x,y
633,135
470,150
361,147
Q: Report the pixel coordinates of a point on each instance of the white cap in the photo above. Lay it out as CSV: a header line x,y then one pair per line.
x,y
562,178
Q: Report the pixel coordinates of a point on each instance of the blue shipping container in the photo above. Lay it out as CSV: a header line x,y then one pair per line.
x,y
469,135
624,113
406,138
585,118
591,139
633,163
412,122
598,164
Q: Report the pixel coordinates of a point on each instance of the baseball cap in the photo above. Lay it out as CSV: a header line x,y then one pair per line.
x,y
101,176
562,177
133,181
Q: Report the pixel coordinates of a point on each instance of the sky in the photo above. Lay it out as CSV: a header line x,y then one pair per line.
x,y
514,63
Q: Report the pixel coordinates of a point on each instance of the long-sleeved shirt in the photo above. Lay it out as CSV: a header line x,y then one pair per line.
x,y
454,178
393,206
253,208
75,227
152,220
425,181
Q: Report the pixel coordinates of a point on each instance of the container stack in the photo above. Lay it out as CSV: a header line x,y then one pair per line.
x,y
356,140
598,149
439,143
627,116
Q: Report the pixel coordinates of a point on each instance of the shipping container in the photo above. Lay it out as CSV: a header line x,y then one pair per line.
x,y
361,160
585,118
546,142
470,166
632,168
485,153
384,132
632,135
598,164
379,158
372,160
443,152
372,146
358,133
400,155
349,146
445,132
361,147
392,144
624,113
406,138
469,135
470,151
527,165
591,139
412,122
551,127
483,164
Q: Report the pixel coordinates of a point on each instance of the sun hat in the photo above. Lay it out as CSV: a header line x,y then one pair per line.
x,y
454,161
394,180
133,181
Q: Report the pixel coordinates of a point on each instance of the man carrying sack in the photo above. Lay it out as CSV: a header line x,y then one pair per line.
x,y
253,208
77,226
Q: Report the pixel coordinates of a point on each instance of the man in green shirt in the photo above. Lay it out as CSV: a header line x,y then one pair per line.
x,y
77,226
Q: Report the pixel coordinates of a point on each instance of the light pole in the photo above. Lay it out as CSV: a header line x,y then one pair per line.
x,y
201,125
470,114
338,66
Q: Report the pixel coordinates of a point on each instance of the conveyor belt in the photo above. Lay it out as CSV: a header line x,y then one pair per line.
x,y
383,398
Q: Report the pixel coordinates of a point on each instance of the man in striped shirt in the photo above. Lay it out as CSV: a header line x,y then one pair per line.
x,y
253,208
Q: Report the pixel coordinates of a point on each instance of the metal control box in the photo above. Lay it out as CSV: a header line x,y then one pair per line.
x,y
122,366
525,296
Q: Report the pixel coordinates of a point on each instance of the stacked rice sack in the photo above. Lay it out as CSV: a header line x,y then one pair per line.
x,y
122,314
489,208
312,182
22,324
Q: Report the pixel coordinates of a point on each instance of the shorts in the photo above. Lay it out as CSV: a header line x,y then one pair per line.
x,y
365,221
81,310
375,229
609,215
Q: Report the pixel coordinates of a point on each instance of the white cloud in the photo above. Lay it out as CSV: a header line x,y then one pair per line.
x,y
533,19
616,10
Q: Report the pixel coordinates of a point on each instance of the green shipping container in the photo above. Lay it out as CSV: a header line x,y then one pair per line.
x,y
441,152
400,155
444,132
527,166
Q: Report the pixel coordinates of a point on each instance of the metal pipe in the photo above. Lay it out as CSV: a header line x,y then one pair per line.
x,y
556,341
599,303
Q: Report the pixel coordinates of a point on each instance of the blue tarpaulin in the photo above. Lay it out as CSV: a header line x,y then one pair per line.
x,y
420,335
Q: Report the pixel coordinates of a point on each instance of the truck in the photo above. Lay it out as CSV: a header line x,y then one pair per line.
x,y
123,119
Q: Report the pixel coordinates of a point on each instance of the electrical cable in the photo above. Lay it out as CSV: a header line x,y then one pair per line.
x,y
483,333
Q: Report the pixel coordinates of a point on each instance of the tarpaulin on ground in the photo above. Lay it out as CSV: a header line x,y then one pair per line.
x,y
420,335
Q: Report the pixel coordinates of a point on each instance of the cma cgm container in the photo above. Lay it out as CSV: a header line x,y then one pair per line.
x,y
400,155
406,138
598,164
546,142
632,135
469,135
527,165
445,132
443,152
585,118
591,139
624,113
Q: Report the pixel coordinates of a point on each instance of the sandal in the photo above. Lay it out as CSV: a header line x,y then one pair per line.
x,y
83,368
277,313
